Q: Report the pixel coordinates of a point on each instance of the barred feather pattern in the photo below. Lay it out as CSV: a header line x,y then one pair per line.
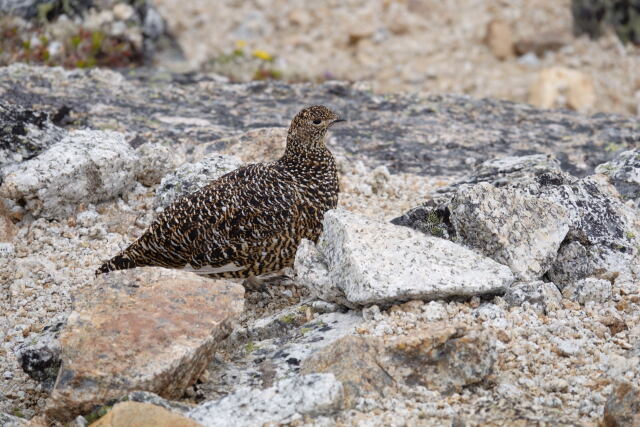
x,y
250,221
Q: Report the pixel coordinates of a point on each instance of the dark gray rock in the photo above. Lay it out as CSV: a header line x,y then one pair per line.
x,y
154,399
7,420
40,356
601,240
24,133
542,296
624,173
435,135
592,16
30,9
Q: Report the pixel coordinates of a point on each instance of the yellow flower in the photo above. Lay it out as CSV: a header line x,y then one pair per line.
x,y
265,56
240,44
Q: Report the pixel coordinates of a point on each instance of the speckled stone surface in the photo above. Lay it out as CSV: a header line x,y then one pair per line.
x,y
436,135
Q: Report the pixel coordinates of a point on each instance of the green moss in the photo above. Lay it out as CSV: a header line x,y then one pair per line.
x,y
630,235
97,414
17,412
97,38
250,347
434,224
305,330
612,146
289,318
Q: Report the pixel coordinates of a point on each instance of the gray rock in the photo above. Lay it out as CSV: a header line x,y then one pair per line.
x,y
24,133
39,357
440,356
510,226
273,348
624,173
430,218
567,347
622,407
287,401
7,420
502,171
193,176
154,399
85,167
360,261
542,296
155,162
429,135
433,217
29,9
79,421
590,289
602,240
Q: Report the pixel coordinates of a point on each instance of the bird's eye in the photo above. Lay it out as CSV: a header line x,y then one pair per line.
x,y
317,122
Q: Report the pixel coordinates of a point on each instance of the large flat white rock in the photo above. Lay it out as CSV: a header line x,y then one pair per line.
x,y
361,261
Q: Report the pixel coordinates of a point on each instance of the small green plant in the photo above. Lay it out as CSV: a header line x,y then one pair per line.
x,y
250,347
434,224
17,412
630,235
289,318
97,414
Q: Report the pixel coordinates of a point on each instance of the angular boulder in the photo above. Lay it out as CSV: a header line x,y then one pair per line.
x,y
510,226
440,357
287,401
360,261
603,237
84,167
143,329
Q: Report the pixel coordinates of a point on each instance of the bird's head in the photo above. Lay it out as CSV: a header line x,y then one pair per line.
x,y
309,127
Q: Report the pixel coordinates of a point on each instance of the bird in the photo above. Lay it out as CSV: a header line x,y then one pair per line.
x,y
250,221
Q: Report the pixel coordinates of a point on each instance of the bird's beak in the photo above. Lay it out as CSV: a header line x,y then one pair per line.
x,y
338,120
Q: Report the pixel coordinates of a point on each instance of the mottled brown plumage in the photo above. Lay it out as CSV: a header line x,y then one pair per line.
x,y
250,221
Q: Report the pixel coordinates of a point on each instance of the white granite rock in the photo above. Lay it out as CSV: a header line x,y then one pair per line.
x,y
589,289
156,161
510,226
361,261
192,176
542,296
86,166
287,401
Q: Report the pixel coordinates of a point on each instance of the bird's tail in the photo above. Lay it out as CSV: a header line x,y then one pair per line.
x,y
118,262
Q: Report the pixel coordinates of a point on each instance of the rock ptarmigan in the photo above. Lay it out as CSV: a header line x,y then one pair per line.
x,y
250,221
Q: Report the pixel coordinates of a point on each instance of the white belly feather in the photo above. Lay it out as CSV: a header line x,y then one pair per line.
x,y
207,269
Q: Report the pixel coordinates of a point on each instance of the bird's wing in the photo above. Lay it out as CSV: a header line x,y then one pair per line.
x,y
229,217
262,214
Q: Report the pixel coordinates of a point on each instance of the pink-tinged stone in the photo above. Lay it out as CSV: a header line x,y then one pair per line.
x,y
145,329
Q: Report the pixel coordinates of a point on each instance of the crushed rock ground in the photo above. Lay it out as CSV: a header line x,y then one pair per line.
x,y
549,365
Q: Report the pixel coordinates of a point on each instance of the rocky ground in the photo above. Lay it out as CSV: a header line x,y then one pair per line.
x,y
504,290
519,50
